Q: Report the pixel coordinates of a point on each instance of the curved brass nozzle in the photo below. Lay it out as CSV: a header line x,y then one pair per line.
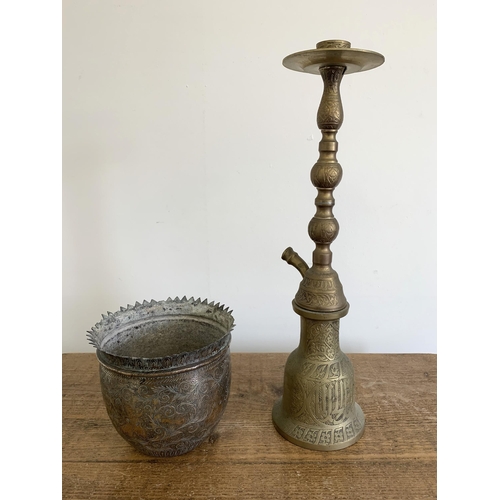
x,y
294,259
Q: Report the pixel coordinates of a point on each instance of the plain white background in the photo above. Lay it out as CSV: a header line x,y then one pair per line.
x,y
187,148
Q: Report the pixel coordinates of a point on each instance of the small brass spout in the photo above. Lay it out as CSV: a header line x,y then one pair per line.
x,y
294,259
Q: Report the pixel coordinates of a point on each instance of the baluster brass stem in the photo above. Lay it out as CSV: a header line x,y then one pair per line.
x,y
326,173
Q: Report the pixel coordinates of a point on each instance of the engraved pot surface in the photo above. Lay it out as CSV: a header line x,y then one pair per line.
x,y
165,372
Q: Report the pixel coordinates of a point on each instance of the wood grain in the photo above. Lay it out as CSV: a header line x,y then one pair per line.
x,y
246,457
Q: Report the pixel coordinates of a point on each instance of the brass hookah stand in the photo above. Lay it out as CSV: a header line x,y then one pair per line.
x,y
318,410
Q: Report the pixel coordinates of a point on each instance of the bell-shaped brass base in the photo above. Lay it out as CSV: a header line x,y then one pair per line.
x,y
315,437
318,408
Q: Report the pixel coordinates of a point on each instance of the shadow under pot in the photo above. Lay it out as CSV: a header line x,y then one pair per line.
x,y
165,372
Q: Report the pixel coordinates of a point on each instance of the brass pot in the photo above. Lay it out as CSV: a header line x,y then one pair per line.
x,y
165,372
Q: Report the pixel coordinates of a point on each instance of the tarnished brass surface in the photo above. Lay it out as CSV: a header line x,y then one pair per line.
x,y
318,408
165,372
333,52
295,260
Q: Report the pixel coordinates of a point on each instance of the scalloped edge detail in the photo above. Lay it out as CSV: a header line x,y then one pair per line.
x,y
100,333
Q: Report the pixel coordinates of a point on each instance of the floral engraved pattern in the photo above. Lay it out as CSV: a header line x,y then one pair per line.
x,y
322,340
329,437
167,414
296,399
326,175
323,230
316,299
330,112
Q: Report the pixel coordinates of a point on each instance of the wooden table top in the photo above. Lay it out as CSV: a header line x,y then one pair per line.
x,y
246,457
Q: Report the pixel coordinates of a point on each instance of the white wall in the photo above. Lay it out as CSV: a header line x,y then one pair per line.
x,y
187,148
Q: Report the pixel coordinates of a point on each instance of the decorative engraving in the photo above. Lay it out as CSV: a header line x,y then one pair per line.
x,y
330,112
326,285
334,371
311,435
169,414
298,432
322,341
348,393
338,436
326,404
357,425
326,175
326,395
325,437
296,398
314,371
323,230
333,44
316,299
349,431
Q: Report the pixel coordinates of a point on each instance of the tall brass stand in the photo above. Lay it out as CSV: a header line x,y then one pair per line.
x,y
318,408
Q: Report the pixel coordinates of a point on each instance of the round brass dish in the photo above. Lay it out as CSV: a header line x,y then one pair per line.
x,y
333,53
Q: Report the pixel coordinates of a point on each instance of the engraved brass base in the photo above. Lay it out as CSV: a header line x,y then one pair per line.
x,y
318,409
321,438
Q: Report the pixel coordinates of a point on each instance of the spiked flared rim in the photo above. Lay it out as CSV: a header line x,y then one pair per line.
x,y
113,324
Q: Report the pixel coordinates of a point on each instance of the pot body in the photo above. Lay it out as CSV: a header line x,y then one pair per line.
x,y
166,413
165,372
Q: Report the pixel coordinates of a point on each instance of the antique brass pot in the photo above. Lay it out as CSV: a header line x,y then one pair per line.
x,y
165,372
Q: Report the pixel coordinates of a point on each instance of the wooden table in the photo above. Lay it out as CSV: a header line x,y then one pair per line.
x,y
246,457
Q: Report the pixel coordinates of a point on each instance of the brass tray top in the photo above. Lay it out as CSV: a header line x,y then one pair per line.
x,y
333,53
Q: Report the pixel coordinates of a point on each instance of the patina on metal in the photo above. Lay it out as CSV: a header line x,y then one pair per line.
x,y
318,408
165,372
